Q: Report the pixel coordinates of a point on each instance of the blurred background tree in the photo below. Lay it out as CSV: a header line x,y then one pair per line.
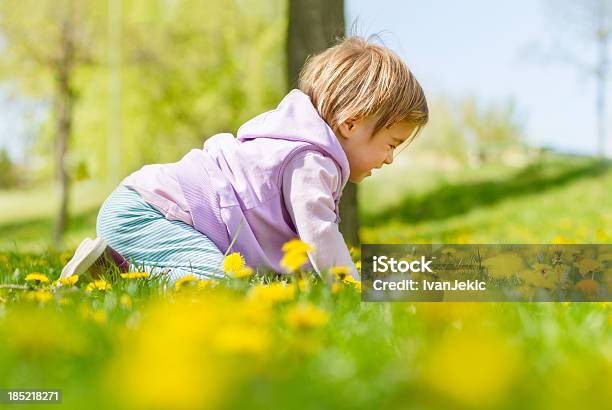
x,y
47,43
468,132
157,77
9,176
588,22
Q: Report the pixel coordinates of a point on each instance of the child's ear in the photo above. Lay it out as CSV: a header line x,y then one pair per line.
x,y
347,127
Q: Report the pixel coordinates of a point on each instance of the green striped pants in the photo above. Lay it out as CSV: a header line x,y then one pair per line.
x,y
152,243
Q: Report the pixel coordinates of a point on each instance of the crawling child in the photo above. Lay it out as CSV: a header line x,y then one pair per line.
x,y
281,177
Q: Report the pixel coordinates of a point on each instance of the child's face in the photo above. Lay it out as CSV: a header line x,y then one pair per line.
x,y
366,151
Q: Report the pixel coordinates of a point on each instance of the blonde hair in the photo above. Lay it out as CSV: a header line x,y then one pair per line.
x,y
357,78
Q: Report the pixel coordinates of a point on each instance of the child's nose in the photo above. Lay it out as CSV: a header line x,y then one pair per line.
x,y
389,159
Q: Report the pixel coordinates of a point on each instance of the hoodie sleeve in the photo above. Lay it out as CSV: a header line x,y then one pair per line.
x,y
309,180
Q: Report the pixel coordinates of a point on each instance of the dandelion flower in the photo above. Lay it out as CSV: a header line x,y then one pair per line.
x,y
233,263
99,284
205,284
538,276
37,277
293,261
352,281
296,245
306,316
135,275
272,293
504,265
69,281
243,273
586,266
185,280
340,271
587,286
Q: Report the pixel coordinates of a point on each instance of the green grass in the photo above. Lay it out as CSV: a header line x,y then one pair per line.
x,y
145,344
560,199
26,217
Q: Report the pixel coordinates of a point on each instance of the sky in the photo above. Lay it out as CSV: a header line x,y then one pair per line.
x,y
468,47
479,47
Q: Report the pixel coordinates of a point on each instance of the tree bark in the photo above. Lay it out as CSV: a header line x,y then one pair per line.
x,y
63,111
314,25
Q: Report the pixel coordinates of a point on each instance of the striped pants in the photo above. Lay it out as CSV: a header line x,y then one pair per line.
x,y
152,243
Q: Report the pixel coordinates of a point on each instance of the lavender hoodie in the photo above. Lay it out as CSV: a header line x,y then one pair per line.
x,y
233,186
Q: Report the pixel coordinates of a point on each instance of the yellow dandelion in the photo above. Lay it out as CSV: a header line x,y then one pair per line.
x,y
245,272
100,285
535,278
233,263
306,316
358,265
272,293
587,286
340,271
184,281
206,284
36,277
135,275
69,281
352,281
296,245
504,265
588,265
293,261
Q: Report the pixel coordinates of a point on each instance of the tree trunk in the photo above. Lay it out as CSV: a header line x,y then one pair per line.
x,y
63,111
314,25
64,125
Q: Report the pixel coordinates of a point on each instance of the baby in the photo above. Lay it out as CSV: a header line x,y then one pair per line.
x,y
281,178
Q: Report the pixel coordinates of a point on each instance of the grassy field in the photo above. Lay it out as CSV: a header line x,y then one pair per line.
x,y
145,343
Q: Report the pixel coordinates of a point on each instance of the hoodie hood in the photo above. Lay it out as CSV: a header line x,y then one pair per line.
x,y
296,119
